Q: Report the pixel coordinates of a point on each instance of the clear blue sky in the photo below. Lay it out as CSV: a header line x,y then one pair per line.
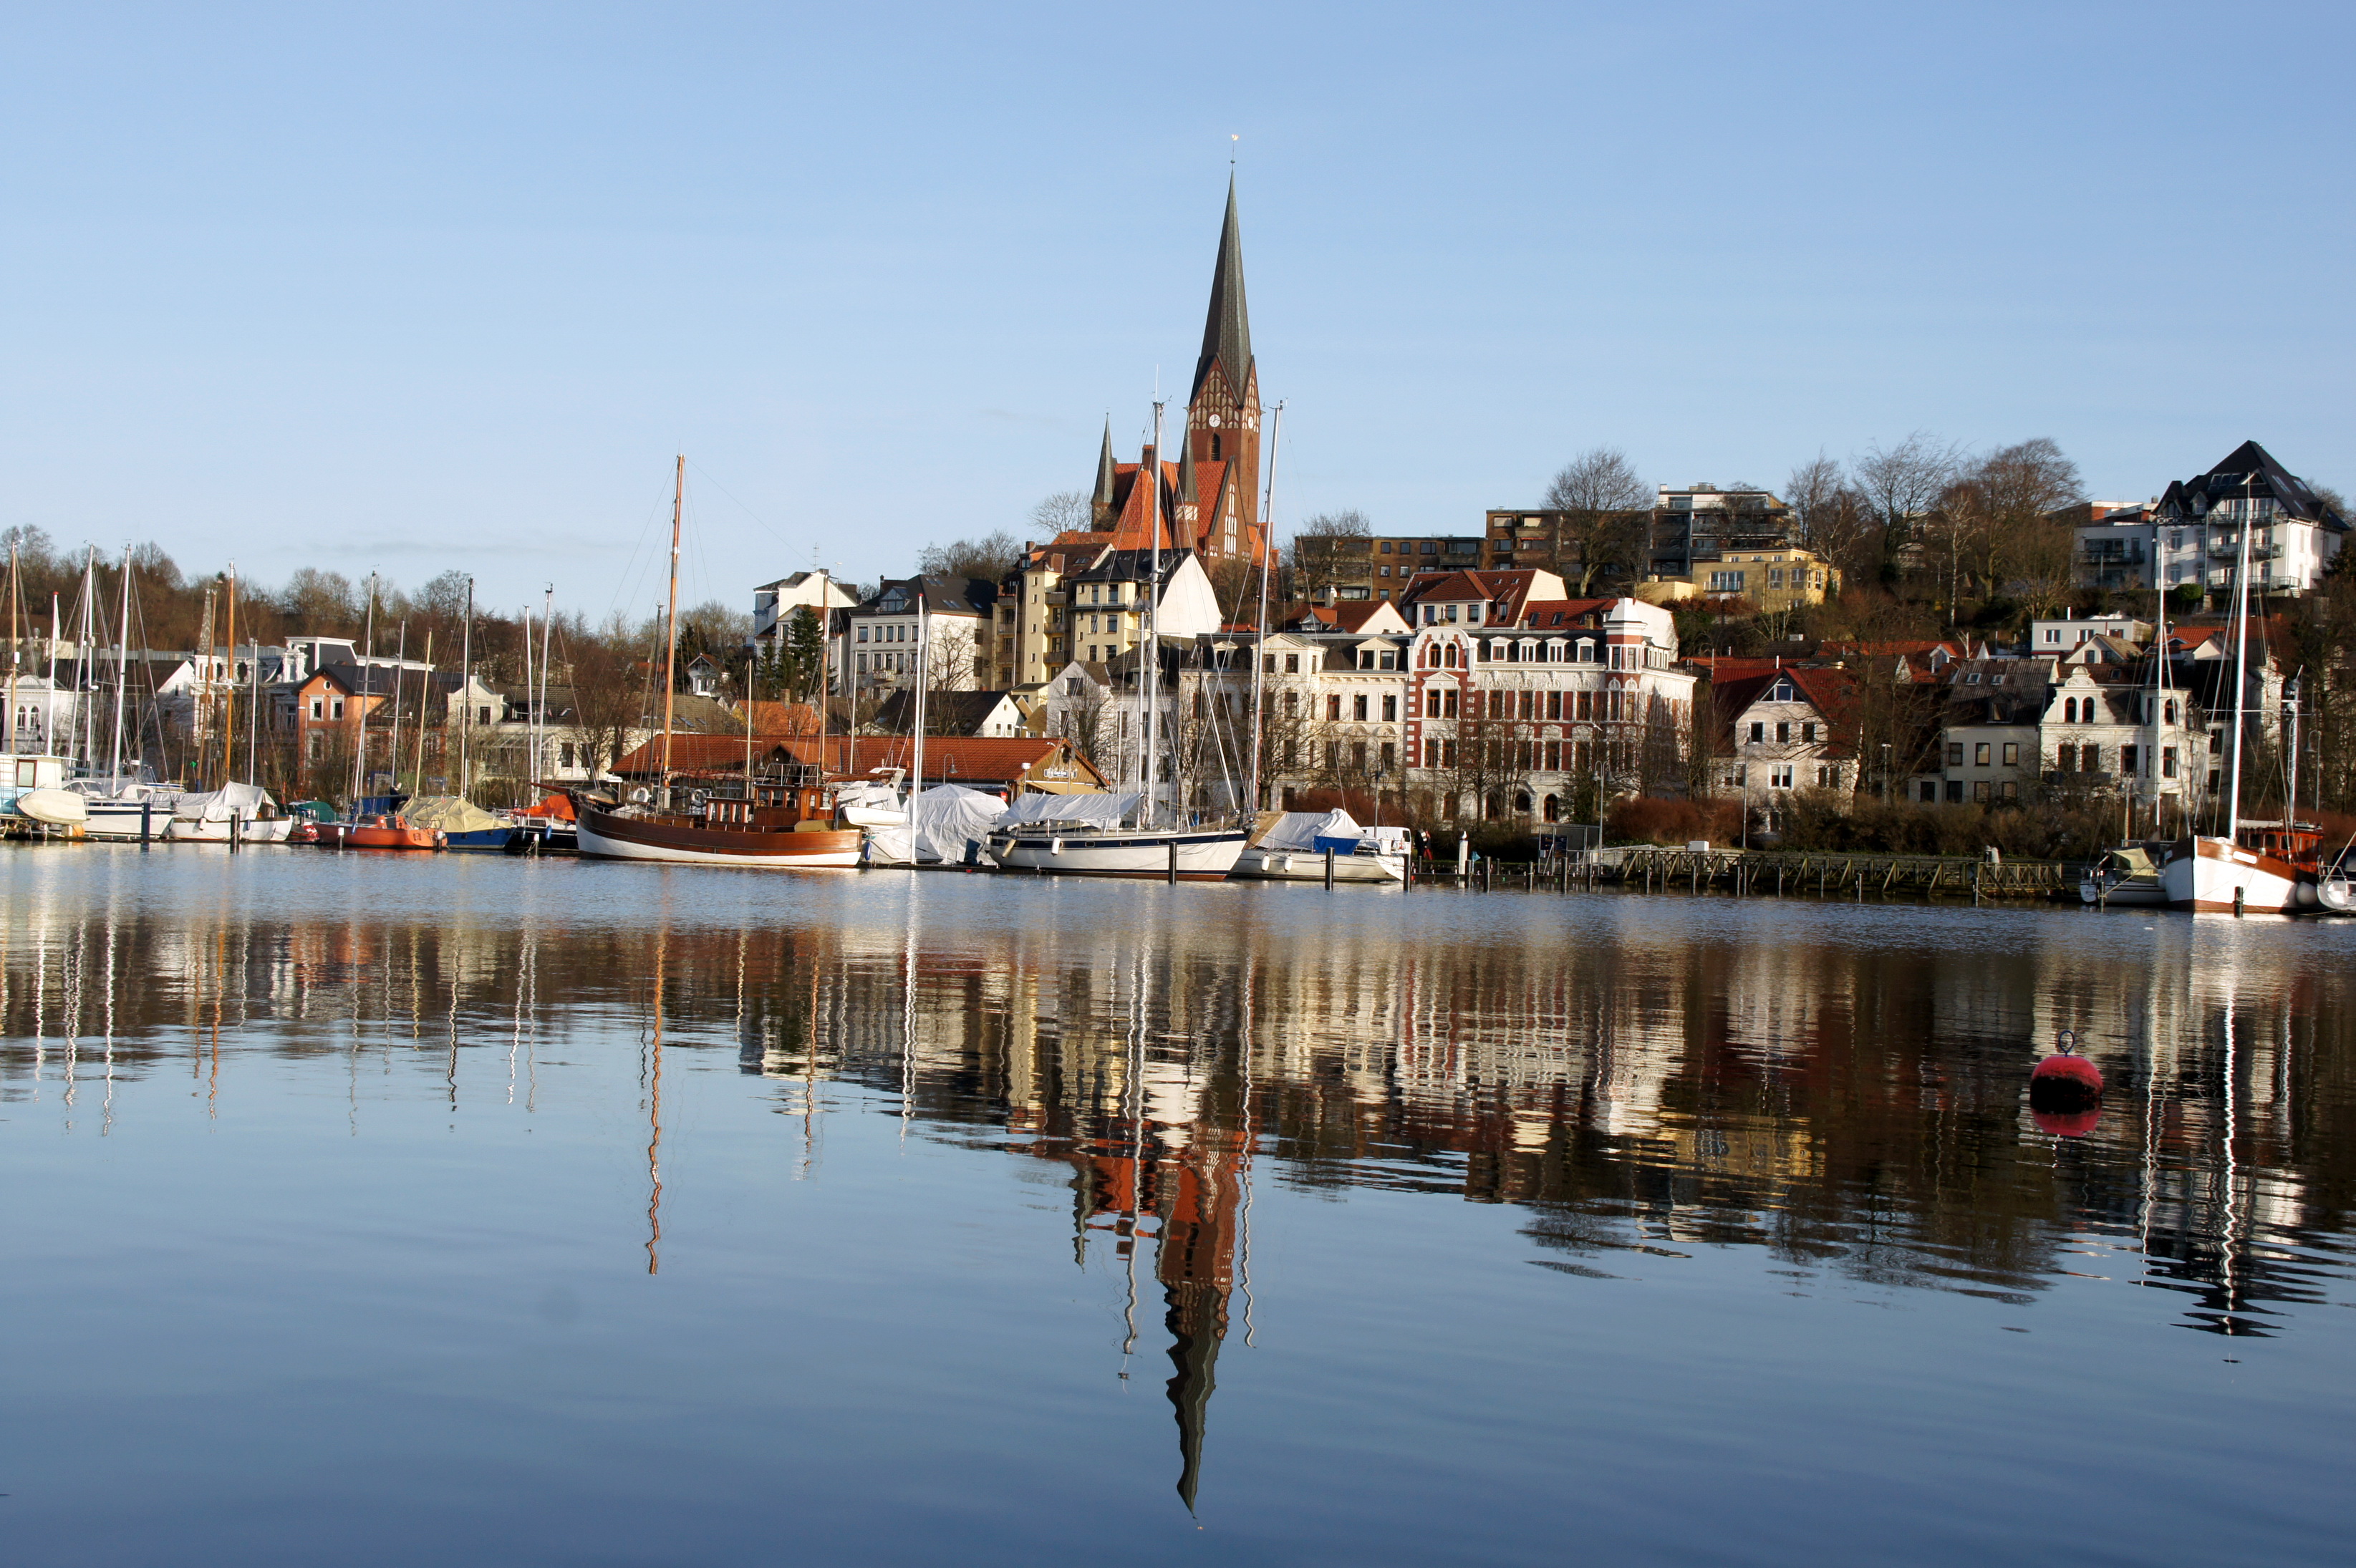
x,y
418,287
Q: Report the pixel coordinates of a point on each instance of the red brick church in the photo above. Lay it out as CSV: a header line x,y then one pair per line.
x,y
1208,501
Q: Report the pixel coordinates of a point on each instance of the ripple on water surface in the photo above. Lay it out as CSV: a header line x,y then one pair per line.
x,y
507,1211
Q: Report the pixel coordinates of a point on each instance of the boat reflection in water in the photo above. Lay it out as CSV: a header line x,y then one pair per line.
x,y
1631,1084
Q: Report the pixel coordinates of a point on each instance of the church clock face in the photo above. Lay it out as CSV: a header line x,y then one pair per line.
x,y
1214,421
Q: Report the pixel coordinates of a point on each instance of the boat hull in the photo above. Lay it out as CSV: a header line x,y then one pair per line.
x,y
1205,856
1309,865
2336,895
120,819
606,836
2207,874
268,830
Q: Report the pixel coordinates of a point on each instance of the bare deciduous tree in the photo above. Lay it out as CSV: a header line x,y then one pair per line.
x,y
1065,511
1605,516
1900,487
1317,550
986,558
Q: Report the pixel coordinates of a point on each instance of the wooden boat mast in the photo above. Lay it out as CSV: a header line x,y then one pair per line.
x,y
360,698
670,618
229,688
1152,645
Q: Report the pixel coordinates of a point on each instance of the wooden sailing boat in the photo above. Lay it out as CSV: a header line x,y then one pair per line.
x,y
783,823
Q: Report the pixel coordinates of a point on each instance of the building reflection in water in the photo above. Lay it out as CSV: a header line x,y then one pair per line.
x,y
1854,1110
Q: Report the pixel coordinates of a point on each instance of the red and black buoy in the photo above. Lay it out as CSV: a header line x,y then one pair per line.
x,y
2065,1090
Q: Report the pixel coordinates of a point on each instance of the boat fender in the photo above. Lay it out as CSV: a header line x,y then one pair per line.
x,y
1055,845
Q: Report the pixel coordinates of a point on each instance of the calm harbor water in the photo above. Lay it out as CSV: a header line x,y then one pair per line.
x,y
381,1210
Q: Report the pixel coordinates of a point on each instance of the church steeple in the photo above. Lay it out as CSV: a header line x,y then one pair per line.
x,y
1223,410
1226,331
1100,505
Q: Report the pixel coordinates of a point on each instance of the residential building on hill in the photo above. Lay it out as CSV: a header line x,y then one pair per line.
x,y
1694,528
1786,729
773,603
1348,568
878,636
2192,534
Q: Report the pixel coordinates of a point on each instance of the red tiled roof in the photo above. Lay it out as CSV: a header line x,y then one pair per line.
x,y
955,759
697,754
783,717
1543,614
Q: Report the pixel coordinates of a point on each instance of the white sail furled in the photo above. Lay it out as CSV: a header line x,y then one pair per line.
x,y
1078,810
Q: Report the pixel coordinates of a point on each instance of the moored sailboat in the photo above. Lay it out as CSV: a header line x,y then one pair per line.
x,y
785,823
2262,867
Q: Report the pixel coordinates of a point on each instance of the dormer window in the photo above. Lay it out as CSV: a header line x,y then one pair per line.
x,y
1783,692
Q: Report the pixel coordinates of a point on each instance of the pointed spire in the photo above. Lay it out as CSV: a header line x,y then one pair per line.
x,y
1187,495
1226,333
1102,500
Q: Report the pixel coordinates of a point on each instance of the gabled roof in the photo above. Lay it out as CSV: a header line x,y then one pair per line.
x,y
1550,614
700,754
1831,692
2250,471
949,713
942,595
1507,590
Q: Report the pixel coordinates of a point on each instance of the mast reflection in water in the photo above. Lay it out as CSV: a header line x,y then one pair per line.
x,y
1840,1093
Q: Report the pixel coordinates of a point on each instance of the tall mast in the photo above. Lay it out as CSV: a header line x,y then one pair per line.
x,y
1152,646
540,708
670,618
50,702
2241,673
924,679
393,748
360,700
16,650
2159,713
228,686
121,678
253,717
825,659
1259,620
466,698
425,692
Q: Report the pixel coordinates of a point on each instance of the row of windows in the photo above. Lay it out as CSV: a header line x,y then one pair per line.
x,y
1783,732
2068,758
1361,707
1531,756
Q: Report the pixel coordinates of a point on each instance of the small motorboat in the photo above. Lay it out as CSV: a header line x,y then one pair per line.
x,y
2127,875
1294,845
384,830
53,807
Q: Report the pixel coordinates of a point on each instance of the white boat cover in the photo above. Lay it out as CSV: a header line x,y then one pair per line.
x,y
948,816
1080,810
450,814
244,801
1298,831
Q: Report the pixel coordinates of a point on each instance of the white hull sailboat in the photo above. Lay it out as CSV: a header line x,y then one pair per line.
x,y
2250,869
2222,877
1199,855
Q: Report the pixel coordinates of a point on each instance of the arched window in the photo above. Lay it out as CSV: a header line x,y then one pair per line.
x,y
2070,711
1554,808
1214,449
1521,803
